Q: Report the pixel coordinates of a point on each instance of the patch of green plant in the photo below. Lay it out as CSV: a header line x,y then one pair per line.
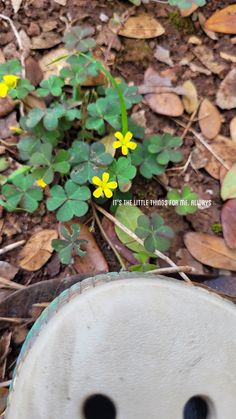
x,y
154,232
184,201
217,228
123,172
182,24
69,246
144,265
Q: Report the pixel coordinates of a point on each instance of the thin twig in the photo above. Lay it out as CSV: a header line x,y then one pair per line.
x,y
15,320
11,246
19,41
144,89
204,143
6,283
138,240
171,270
120,260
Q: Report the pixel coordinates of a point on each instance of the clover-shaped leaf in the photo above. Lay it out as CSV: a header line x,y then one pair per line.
x,y
143,265
103,110
79,38
10,67
53,85
165,148
89,161
184,201
79,69
154,232
148,165
70,246
23,88
130,94
21,192
123,171
70,200
45,164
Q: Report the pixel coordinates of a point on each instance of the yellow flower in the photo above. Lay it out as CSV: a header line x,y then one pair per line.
x,y
3,89
104,187
41,183
10,80
124,142
16,130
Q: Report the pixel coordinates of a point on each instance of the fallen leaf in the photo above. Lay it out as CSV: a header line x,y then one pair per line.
x,y
194,40
198,69
189,10
224,148
228,220
226,285
228,188
120,247
163,55
33,71
223,21
45,40
165,103
108,141
107,37
140,27
61,2
206,56
226,95
228,57
202,21
4,392
209,119
94,261
7,270
233,129
210,250
190,97
37,250
51,68
16,4
128,216
32,101
6,123
6,106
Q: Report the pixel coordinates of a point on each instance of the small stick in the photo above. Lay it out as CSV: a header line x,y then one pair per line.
x,y
11,246
171,270
15,320
6,283
138,240
120,260
145,89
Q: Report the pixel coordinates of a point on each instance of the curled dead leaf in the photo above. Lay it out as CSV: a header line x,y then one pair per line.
x,y
140,27
223,147
209,119
210,250
190,97
228,219
206,56
37,250
223,21
226,95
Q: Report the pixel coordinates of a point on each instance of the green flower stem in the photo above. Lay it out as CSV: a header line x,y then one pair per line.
x,y
124,116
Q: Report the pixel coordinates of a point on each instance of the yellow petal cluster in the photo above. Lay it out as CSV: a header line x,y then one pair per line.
x,y
9,82
104,186
124,141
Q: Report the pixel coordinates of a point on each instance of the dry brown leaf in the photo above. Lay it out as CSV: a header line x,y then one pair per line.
x,y
33,71
189,10
32,101
226,95
190,97
37,250
210,250
206,56
55,68
94,261
210,34
223,21
228,57
165,103
45,40
5,124
228,219
4,392
233,129
224,148
61,2
209,119
195,40
141,27
108,141
163,55
7,270
6,106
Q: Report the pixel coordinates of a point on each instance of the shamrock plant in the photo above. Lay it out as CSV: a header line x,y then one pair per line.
x,y
70,245
65,162
184,201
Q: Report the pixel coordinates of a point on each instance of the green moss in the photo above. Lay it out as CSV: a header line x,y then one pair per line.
x,y
182,24
216,228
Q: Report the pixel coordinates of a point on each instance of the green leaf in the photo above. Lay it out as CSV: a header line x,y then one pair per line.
x,y
185,201
71,245
34,117
228,189
154,232
146,161
128,216
53,114
52,86
100,111
79,38
10,67
122,171
164,147
79,69
130,94
90,161
22,90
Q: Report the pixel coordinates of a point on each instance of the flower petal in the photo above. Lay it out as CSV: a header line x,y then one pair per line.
x,y
41,183
3,89
119,135
112,185
108,193
105,177
128,136
124,150
132,145
98,192
10,80
116,144
96,181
